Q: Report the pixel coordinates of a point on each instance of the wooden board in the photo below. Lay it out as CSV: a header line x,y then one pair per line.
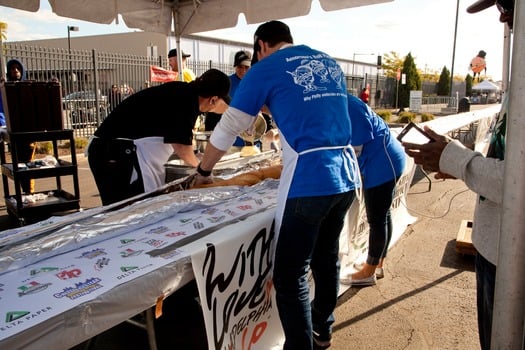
x,y
464,239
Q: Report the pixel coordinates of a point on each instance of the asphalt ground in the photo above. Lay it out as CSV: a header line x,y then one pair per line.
x,y
425,301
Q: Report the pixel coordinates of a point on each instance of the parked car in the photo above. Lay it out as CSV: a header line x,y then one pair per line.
x,y
81,108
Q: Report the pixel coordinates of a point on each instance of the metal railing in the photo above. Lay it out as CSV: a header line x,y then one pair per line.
x,y
439,104
86,77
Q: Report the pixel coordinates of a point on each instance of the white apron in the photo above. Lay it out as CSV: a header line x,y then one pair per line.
x,y
290,157
152,154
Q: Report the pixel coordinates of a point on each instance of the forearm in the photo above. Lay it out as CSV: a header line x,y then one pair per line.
x,y
482,175
232,122
185,152
211,156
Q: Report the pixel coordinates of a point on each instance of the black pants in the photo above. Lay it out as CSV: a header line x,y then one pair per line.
x,y
112,162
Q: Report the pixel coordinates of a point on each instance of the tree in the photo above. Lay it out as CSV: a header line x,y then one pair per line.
x,y
3,30
412,81
443,87
468,82
391,62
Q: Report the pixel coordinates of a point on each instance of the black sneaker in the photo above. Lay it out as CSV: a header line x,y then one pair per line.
x,y
322,340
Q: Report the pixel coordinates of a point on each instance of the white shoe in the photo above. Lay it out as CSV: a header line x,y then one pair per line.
x,y
363,282
380,273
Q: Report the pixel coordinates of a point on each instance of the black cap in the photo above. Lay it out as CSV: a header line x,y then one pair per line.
x,y
173,53
243,58
481,5
272,32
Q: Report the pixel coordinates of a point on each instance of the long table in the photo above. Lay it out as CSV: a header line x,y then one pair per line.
x,y
109,265
89,288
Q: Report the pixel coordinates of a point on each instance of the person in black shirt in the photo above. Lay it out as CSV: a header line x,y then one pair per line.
x,y
129,149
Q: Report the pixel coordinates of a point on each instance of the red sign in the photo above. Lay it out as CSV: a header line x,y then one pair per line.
x,y
398,74
161,75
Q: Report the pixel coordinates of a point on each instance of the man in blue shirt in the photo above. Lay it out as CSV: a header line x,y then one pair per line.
x,y
305,91
241,62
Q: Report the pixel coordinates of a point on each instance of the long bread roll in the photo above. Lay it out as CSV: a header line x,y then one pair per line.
x,y
247,179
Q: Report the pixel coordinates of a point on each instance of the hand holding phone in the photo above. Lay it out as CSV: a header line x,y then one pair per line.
x,y
414,134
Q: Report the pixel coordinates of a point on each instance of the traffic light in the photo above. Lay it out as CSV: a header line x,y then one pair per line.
x,y
378,62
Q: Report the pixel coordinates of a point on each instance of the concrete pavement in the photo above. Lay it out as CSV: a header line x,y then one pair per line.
x,y
427,298
425,301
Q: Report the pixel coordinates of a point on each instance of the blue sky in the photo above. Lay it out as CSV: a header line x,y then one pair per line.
x,y
425,28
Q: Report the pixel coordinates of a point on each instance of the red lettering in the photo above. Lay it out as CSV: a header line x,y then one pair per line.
x,y
257,333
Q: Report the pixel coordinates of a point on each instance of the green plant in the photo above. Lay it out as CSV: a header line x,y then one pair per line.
x,y
406,117
385,114
443,87
44,147
412,81
425,117
80,143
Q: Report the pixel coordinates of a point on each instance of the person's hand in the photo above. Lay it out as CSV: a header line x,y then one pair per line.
x,y
202,180
427,155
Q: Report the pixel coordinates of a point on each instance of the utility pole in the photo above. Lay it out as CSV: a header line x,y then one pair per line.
x,y
69,30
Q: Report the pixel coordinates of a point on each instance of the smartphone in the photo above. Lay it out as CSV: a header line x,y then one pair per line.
x,y
414,134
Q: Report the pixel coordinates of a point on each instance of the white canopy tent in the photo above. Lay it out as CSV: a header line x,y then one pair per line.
x,y
182,17
192,16
486,85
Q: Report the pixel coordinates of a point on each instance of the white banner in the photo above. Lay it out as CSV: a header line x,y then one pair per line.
x,y
234,276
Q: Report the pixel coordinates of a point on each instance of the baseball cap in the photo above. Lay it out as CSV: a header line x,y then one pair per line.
x,y
481,5
242,58
173,53
272,32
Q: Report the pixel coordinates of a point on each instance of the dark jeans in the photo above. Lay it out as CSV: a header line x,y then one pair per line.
x,y
485,285
378,200
112,163
309,239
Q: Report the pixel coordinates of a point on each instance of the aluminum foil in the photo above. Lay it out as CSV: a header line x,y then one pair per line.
x,y
94,225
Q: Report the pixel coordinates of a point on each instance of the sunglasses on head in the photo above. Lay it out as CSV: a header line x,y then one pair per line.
x,y
505,6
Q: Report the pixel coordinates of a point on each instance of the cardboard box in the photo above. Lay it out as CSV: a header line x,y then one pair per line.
x,y
464,239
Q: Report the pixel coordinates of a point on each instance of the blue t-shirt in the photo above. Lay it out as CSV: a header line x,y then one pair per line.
x,y
2,115
234,84
305,90
382,157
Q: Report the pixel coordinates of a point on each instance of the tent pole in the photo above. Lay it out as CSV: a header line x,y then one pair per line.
x,y
177,31
506,59
509,299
